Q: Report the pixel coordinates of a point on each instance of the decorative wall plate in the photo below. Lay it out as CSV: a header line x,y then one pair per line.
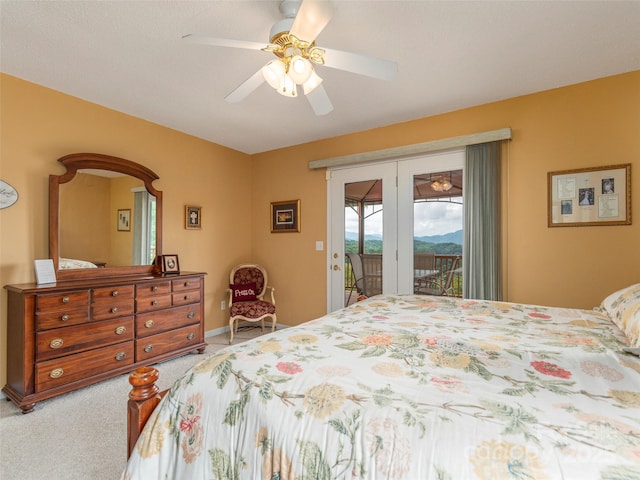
x,y
8,195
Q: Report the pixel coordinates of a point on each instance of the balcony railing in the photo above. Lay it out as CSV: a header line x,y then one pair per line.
x,y
372,265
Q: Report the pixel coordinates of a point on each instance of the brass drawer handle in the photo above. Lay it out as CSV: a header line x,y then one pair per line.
x,y
56,373
120,356
114,310
64,317
65,299
191,314
149,323
191,336
56,343
155,302
154,288
186,284
114,293
186,297
121,329
148,348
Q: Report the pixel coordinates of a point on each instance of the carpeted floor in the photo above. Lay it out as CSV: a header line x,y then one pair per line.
x,y
82,435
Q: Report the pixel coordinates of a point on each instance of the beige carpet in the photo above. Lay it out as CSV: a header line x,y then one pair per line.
x,y
82,435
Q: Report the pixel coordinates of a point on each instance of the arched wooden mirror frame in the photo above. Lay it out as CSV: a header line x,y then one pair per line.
x,y
79,161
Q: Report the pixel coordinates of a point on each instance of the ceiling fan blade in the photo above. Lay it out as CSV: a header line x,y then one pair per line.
x,y
360,64
222,42
312,17
319,101
247,87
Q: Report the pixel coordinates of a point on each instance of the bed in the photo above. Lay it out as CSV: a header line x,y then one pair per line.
x,y
71,263
412,387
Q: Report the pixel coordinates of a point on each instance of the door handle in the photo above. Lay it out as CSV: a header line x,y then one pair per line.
x,y
336,267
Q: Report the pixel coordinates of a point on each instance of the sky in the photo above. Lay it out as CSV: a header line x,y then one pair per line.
x,y
430,218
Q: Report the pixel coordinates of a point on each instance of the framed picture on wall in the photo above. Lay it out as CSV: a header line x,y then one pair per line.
x,y
192,217
590,196
285,216
124,220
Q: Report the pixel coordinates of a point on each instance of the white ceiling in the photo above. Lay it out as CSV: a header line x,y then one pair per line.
x,y
129,56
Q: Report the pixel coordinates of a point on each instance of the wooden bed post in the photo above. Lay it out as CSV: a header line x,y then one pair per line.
x,y
143,399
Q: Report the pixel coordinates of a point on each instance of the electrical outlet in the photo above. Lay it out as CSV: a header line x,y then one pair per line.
x,y
223,305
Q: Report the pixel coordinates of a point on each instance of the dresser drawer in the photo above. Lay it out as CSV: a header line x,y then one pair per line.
x,y
151,289
63,318
62,341
149,304
60,371
117,292
186,297
62,301
186,284
157,322
112,308
155,345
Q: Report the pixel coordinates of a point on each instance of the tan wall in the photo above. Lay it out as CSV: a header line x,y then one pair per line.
x,y
590,124
85,227
39,125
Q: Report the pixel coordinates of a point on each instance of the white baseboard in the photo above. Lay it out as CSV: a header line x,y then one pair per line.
x,y
216,331
221,330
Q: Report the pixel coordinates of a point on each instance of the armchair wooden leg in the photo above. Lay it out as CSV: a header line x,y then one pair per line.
x,y
231,329
273,323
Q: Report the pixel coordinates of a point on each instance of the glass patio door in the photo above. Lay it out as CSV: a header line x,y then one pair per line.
x,y
358,226
389,198
429,203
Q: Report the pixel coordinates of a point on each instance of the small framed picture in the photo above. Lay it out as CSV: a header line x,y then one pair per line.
x,y
192,218
169,264
285,216
124,220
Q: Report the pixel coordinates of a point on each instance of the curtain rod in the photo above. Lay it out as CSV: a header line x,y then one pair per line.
x,y
415,149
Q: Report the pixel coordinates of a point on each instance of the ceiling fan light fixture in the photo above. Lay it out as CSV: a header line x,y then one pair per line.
x,y
300,69
273,73
312,83
441,184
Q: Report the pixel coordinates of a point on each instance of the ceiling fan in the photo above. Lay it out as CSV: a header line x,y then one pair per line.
x,y
292,41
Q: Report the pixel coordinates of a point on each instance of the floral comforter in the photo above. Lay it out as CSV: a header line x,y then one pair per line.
x,y
407,387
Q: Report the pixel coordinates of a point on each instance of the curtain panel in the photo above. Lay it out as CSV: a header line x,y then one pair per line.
x,y
481,260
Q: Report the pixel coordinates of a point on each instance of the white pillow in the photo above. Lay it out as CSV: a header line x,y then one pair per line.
x,y
623,307
69,263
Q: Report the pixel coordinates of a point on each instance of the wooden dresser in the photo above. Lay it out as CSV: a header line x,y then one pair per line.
x,y
67,335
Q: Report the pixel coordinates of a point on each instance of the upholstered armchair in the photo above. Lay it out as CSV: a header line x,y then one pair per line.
x,y
246,297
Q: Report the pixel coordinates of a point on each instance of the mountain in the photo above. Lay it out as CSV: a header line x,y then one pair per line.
x,y
452,237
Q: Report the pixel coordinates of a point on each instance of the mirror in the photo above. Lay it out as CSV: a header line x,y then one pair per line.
x,y
105,217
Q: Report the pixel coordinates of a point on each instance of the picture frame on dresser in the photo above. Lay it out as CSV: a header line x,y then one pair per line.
x,y
169,264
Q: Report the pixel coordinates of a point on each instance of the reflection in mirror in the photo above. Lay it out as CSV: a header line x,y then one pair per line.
x,y
89,233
